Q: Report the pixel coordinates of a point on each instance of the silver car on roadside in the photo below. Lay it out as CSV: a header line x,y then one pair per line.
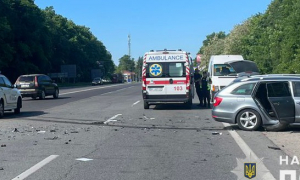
x,y
272,101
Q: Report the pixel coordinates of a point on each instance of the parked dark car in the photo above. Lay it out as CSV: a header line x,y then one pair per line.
x,y
97,81
37,85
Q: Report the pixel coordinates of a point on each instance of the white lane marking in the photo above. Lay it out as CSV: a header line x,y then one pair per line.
x,y
247,151
35,167
84,159
112,118
135,103
72,92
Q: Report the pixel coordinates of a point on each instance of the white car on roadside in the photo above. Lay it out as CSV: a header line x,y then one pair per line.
x,y
10,97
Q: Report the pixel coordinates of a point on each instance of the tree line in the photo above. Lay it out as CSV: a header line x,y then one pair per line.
x,y
34,40
270,39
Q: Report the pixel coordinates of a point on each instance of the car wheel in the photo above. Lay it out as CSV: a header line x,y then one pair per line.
x,y
248,120
43,95
18,109
277,127
146,105
56,93
33,97
1,109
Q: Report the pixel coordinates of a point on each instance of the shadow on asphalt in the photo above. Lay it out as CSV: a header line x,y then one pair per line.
x,y
46,99
11,115
177,107
293,128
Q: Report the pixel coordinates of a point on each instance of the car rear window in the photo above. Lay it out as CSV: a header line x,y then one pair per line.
x,y
296,88
245,89
26,78
280,89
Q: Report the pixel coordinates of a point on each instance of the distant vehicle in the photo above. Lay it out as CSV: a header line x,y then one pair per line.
x,y
37,85
117,78
272,101
106,80
167,78
97,81
10,97
223,69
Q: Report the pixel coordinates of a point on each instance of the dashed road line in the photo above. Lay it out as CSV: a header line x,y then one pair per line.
x,y
135,103
35,168
72,92
112,119
247,150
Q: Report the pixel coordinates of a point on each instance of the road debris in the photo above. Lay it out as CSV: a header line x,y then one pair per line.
x,y
52,130
41,132
54,138
216,133
152,118
1,168
3,145
198,130
74,131
15,130
274,148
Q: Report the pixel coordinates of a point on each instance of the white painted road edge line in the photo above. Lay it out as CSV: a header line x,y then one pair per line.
x,y
112,118
35,167
135,103
247,151
72,92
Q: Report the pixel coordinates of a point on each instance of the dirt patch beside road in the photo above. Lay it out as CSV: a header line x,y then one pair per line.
x,y
287,140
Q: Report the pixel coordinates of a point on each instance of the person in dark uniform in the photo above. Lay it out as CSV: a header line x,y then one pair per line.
x,y
197,78
205,85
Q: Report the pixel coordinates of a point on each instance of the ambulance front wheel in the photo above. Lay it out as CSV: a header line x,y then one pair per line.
x,y
146,105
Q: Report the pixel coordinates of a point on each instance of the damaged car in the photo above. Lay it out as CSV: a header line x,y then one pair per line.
x,y
271,101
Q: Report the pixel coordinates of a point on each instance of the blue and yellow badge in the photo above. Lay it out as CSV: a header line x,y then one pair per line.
x,y
250,170
155,70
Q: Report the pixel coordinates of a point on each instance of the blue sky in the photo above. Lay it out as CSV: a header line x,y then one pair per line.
x,y
155,24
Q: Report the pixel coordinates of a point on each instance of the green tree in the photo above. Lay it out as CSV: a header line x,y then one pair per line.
x,y
126,63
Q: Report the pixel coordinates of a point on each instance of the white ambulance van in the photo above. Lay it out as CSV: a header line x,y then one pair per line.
x,y
223,69
167,78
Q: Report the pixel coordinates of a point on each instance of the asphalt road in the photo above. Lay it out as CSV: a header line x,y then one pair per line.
x,y
103,132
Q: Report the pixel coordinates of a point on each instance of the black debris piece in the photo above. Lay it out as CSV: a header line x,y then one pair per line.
x,y
274,148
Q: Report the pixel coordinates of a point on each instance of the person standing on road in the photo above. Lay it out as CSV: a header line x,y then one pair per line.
x,y
197,78
205,85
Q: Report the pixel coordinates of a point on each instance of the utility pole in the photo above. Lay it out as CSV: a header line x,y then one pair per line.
x,y
129,46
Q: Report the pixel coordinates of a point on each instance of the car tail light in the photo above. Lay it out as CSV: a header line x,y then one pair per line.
x,y
36,82
217,101
144,83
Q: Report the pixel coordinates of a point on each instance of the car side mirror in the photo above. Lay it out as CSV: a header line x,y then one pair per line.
x,y
14,86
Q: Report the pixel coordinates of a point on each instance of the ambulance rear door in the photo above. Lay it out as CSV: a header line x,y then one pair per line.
x,y
156,80
176,78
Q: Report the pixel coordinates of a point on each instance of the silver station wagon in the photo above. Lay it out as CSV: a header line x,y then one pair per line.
x,y
272,101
